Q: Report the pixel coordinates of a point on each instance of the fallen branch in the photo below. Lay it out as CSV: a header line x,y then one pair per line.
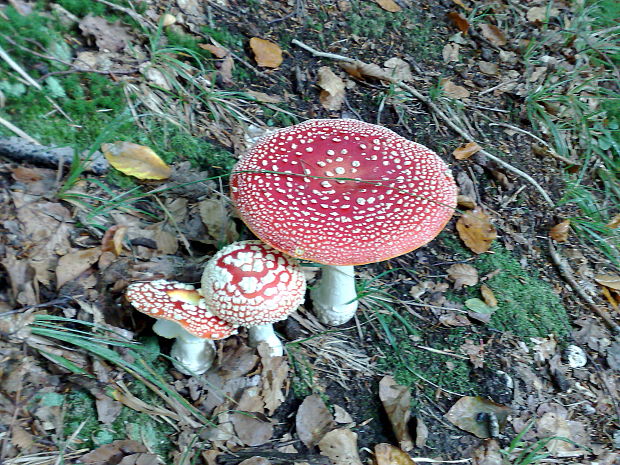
x,y
433,106
569,276
24,151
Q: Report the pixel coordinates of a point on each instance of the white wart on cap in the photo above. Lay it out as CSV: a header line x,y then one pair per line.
x,y
343,192
251,284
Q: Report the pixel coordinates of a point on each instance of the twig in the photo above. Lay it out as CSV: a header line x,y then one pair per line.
x,y
5,56
436,110
19,132
569,276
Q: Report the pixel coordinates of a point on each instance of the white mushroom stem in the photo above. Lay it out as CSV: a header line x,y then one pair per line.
x,y
192,355
334,298
265,333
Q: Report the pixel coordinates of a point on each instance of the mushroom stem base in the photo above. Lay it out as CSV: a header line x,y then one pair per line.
x,y
192,355
334,297
265,333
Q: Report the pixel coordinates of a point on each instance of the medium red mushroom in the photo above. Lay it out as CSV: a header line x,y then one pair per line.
x,y
342,192
254,285
181,313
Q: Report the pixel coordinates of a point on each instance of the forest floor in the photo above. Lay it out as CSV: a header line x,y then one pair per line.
x,y
496,343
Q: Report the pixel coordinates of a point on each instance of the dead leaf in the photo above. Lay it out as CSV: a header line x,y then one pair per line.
x,y
450,52
313,420
252,429
453,90
21,438
396,400
560,231
341,415
488,453
608,280
333,89
473,414
488,296
421,432
387,454
359,70
73,264
556,424
492,69
466,150
274,379
266,52
459,21
474,351
135,160
112,453
389,5
398,69
340,446
463,275
466,201
540,14
110,37
216,217
218,51
112,240
493,34
476,231
263,97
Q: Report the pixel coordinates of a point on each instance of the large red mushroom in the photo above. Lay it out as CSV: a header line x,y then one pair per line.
x,y
342,192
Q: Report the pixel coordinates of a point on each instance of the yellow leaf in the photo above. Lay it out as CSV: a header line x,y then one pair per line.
x,y
387,454
476,231
266,53
389,5
135,160
466,150
488,296
608,280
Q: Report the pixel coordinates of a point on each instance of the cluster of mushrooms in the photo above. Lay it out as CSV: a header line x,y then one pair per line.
x,y
338,192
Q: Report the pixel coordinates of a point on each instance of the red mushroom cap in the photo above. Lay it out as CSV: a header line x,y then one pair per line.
x,y
181,303
250,283
343,192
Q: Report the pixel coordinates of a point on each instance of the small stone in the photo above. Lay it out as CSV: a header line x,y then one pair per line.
x,y
167,19
574,356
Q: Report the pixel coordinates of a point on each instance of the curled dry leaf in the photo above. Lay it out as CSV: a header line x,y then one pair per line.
x,y
387,454
453,90
608,280
332,89
266,52
112,240
488,296
73,264
560,231
476,231
135,160
389,5
396,400
466,150
340,446
360,70
313,420
459,21
463,275
466,201
477,414
493,34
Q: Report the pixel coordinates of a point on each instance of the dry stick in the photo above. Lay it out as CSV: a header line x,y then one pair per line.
x,y
567,273
5,56
17,131
436,110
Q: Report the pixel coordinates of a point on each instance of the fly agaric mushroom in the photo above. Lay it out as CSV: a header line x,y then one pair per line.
x,y
181,313
341,193
254,285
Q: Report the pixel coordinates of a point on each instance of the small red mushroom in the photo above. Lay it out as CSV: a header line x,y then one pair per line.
x,y
181,313
342,192
254,285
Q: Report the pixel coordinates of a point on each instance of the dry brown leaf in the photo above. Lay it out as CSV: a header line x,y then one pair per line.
x,y
274,379
459,21
340,446
252,429
466,201
453,90
421,432
218,51
341,415
466,150
488,296
313,420
451,52
556,424
488,453
387,454
73,264
608,280
266,52
463,275
111,37
539,14
396,400
476,231
112,240
474,351
359,70
615,222
493,34
333,89
263,97
560,231
486,67
217,220
399,70
467,411
113,452
135,160
389,5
